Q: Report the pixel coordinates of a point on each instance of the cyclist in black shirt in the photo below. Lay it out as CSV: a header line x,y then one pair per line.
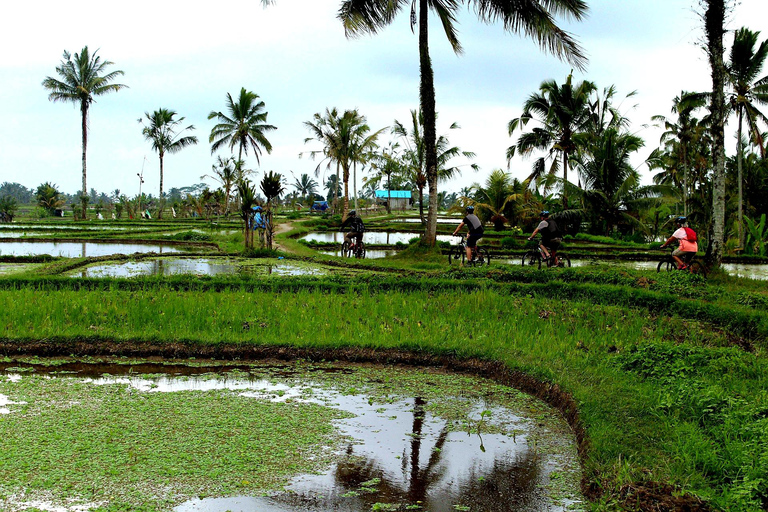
x,y
475,228
551,237
356,227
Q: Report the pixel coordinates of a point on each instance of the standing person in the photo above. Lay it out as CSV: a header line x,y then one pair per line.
x,y
687,243
356,228
551,236
475,228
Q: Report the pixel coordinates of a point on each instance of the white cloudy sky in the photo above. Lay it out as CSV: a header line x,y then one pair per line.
x,y
186,57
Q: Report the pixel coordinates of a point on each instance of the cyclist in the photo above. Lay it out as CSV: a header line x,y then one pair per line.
x,y
356,228
687,243
551,236
475,228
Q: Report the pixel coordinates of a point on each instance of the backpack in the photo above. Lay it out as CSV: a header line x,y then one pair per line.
x,y
691,235
551,231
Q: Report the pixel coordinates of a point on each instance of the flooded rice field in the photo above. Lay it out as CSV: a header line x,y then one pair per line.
x,y
373,237
397,439
201,267
370,254
82,249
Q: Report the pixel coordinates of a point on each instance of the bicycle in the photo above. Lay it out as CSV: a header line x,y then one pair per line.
x,y
353,249
480,256
692,265
535,256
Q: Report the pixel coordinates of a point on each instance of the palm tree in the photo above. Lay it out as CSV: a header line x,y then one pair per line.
x,y
415,155
82,78
384,164
161,130
305,186
323,128
244,126
48,197
272,188
246,192
681,137
563,111
533,17
496,200
747,91
228,173
612,189
714,30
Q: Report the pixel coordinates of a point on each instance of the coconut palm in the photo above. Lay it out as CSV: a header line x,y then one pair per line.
x,y
82,77
682,139
384,164
747,92
562,111
414,155
243,126
323,129
48,197
246,193
497,200
227,172
533,17
305,186
162,130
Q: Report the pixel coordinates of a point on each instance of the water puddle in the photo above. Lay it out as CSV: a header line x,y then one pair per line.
x,y
81,249
747,270
411,439
199,267
372,237
370,254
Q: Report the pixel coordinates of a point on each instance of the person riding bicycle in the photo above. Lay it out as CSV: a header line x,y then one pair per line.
x,y
356,228
551,236
475,228
687,243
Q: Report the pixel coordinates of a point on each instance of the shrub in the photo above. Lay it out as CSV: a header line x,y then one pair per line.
x,y
510,242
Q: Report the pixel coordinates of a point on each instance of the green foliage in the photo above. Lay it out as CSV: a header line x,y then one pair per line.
x,y
510,242
191,236
757,236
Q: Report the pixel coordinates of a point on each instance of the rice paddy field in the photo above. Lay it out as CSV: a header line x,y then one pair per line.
x,y
660,378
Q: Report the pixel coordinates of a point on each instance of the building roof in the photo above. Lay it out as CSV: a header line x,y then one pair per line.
x,y
393,194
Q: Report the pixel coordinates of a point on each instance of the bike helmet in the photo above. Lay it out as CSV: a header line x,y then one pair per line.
x,y
681,220
545,213
256,208
470,209
352,213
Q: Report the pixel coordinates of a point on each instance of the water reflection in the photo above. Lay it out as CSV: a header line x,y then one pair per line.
x,y
370,254
200,267
80,250
372,237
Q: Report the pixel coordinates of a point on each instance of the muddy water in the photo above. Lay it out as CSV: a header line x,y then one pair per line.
x,y
80,249
400,454
197,266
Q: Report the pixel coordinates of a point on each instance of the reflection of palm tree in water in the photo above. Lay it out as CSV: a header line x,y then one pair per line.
x,y
510,484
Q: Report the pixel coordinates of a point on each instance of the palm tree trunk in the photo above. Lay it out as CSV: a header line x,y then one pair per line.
x,y
336,189
84,112
685,183
565,180
346,190
354,183
160,200
427,95
389,195
741,181
714,19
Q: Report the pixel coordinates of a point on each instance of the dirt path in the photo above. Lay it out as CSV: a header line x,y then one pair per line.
x,y
281,228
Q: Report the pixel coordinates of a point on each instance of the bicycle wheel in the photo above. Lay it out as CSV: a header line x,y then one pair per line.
x,y
345,249
563,260
529,258
361,251
666,265
698,268
483,257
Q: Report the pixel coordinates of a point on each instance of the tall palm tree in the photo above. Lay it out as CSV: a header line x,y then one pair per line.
x,y
714,29
533,17
323,130
244,125
384,164
563,111
161,130
681,136
497,199
82,78
747,91
415,155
